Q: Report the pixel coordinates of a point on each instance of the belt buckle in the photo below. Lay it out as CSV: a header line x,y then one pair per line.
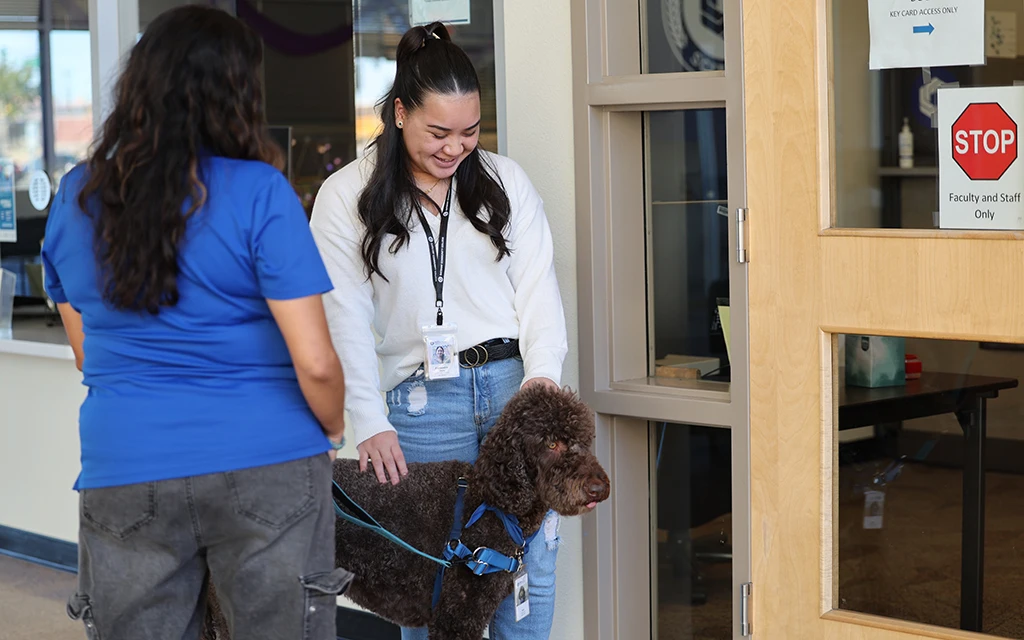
x,y
478,360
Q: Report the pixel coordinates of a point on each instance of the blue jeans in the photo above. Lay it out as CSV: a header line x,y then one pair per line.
x,y
447,420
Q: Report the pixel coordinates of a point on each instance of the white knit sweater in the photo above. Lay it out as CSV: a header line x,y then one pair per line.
x,y
516,297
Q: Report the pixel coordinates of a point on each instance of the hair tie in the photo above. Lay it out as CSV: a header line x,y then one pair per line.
x,y
429,33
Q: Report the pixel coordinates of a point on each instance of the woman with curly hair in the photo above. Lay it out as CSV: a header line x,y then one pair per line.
x,y
190,288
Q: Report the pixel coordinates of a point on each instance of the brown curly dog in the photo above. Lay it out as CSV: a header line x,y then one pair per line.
x,y
535,459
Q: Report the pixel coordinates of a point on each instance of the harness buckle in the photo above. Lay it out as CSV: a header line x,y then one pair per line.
x,y
476,558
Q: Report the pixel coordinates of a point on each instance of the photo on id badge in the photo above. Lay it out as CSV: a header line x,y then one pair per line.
x,y
441,357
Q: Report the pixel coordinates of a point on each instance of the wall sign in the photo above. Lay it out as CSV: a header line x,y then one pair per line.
x,y
423,12
980,174
935,33
8,218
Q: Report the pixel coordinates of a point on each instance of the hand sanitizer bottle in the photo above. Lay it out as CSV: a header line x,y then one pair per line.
x,y
906,146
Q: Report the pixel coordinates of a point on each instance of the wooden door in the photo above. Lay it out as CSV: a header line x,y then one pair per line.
x,y
810,282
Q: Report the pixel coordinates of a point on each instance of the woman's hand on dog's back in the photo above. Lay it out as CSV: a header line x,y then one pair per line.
x,y
384,452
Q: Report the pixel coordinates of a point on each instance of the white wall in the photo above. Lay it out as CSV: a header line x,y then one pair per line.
x,y
39,451
538,89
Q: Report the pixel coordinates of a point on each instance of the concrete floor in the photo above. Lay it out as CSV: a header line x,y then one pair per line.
x,y
33,600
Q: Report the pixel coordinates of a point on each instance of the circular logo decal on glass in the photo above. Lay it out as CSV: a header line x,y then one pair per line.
x,y
695,30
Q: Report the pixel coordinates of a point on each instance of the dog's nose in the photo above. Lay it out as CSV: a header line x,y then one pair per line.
x,y
597,488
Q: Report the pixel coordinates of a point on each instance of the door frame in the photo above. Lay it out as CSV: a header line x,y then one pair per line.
x,y
610,96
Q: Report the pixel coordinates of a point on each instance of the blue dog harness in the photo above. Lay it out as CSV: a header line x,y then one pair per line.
x,y
481,561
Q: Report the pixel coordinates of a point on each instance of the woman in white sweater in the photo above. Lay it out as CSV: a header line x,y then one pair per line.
x,y
435,247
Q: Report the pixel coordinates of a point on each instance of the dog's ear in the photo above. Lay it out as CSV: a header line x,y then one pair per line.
x,y
503,473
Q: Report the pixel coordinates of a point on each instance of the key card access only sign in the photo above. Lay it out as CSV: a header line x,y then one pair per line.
x,y
926,33
981,175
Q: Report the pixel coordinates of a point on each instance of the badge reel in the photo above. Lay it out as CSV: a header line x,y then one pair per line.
x,y
441,358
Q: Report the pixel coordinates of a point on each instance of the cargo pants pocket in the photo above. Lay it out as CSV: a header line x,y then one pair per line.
x,y
79,608
321,594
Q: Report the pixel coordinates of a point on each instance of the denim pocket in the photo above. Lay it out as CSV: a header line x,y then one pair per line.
x,y
120,511
321,594
79,608
273,495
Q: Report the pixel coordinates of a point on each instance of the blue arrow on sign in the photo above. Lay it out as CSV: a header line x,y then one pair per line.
x,y
928,28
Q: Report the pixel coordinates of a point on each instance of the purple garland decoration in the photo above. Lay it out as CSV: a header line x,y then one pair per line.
x,y
286,41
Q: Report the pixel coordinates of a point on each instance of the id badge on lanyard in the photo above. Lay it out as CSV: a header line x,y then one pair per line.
x,y
440,342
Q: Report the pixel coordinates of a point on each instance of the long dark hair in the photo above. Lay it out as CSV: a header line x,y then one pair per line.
x,y
427,62
190,88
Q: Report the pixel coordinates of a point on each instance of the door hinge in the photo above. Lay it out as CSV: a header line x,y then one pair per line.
x,y
747,610
741,235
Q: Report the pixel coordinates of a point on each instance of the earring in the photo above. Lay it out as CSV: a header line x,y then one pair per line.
x,y
399,124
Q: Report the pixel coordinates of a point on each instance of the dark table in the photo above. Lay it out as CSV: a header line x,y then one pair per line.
x,y
936,394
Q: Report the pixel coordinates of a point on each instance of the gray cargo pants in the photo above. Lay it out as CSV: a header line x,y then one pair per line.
x,y
264,535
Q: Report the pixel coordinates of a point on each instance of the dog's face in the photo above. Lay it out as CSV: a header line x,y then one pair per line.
x,y
567,475
540,451
570,480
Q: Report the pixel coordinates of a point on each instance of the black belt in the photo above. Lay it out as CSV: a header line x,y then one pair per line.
x,y
490,351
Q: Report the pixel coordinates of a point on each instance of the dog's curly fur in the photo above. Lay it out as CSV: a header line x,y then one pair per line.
x,y
536,458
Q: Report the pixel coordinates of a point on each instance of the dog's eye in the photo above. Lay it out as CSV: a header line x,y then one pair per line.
x,y
552,445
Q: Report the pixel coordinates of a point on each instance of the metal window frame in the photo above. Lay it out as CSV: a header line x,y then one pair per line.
x,y
610,97
113,30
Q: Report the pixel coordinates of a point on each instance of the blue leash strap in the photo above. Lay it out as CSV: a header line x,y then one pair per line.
x,y
453,536
365,520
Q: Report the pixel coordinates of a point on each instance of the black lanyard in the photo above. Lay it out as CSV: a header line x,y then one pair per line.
x,y
438,260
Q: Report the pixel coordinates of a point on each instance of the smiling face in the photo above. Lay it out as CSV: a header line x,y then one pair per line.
x,y
439,134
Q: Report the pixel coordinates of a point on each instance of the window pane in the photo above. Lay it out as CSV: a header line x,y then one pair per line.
x,y
23,14
693,531
684,35
21,131
71,14
327,63
873,187
931,481
71,77
308,82
21,141
688,235
150,9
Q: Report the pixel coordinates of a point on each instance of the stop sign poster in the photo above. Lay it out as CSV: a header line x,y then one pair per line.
x,y
981,174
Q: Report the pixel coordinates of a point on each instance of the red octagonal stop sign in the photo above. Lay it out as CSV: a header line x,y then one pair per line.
x,y
984,141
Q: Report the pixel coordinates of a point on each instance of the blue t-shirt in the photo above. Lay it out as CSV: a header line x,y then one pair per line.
x,y
205,386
